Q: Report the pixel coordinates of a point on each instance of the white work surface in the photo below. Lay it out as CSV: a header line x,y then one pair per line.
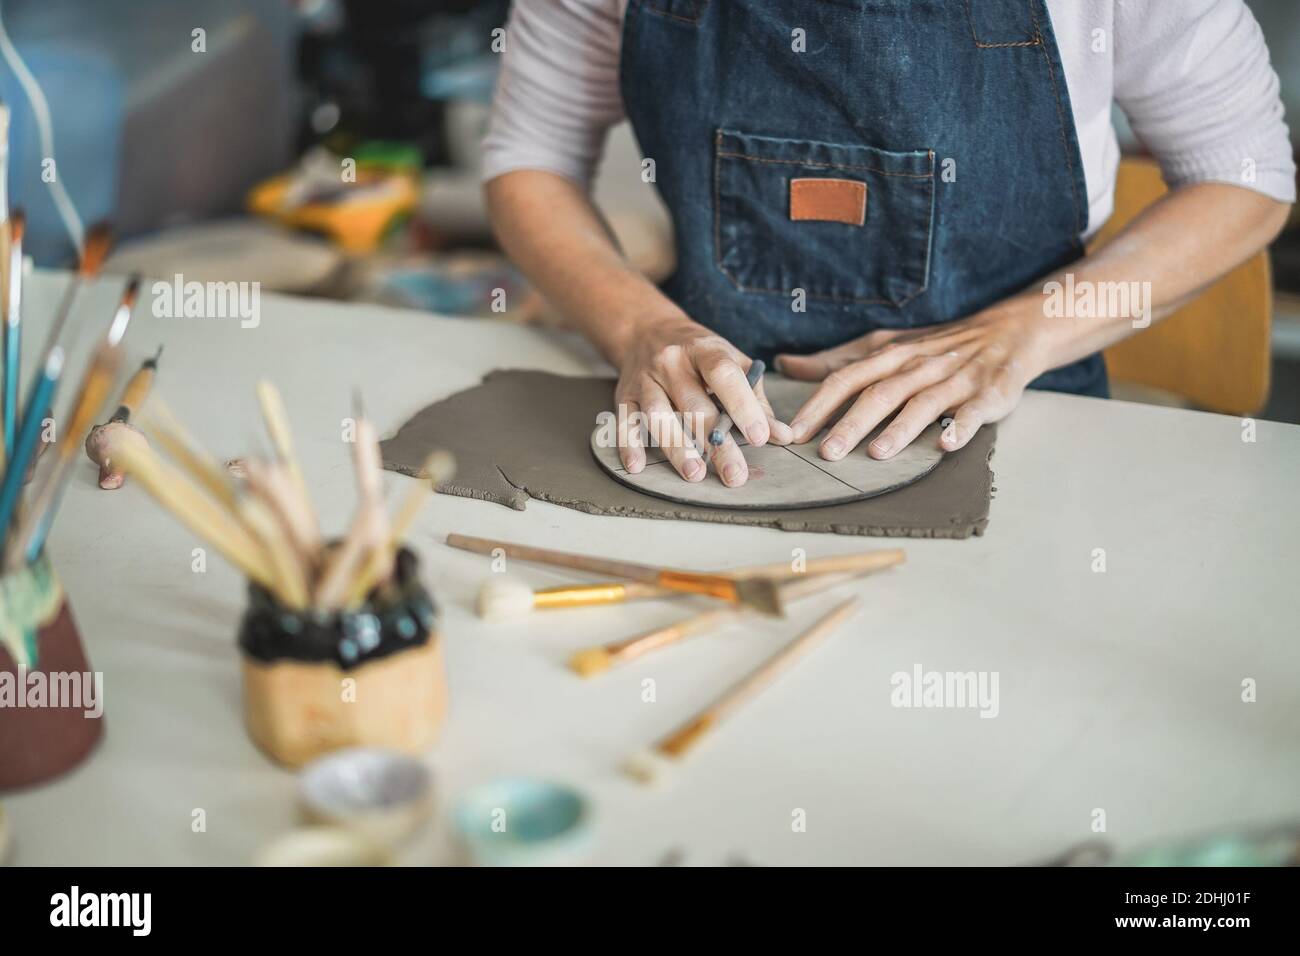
x,y
1119,691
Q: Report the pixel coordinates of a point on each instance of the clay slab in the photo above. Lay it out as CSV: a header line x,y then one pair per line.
x,y
793,476
527,434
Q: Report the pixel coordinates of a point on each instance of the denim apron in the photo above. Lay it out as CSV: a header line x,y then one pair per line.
x,y
944,130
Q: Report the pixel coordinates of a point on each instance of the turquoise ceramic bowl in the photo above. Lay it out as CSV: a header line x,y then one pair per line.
x,y
522,822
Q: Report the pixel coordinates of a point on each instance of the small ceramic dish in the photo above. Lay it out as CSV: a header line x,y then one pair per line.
x,y
382,794
324,846
522,822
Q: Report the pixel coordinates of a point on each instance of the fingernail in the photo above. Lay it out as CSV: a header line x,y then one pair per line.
x,y
780,433
882,445
950,435
694,469
798,430
731,474
832,448
756,433
634,466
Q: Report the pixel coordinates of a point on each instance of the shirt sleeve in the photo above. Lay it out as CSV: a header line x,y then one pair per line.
x,y
1194,79
558,91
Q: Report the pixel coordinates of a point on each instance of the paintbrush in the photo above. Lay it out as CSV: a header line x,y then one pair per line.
x,y
99,239
437,468
591,661
40,398
93,394
172,489
649,765
100,441
13,333
6,277
759,593
503,598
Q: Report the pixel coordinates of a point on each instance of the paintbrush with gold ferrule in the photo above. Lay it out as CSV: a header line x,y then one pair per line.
x,y
94,393
758,593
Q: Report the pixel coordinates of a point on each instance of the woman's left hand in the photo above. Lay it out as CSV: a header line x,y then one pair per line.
x,y
975,369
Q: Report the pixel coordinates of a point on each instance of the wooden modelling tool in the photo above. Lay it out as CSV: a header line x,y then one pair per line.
x,y
649,765
100,441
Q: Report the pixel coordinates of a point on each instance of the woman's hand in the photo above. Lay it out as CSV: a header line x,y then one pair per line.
x,y
668,365
976,369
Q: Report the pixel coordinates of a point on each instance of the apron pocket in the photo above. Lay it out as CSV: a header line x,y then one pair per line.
x,y
848,223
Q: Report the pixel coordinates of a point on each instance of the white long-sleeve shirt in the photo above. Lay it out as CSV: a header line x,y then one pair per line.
x,y
1192,76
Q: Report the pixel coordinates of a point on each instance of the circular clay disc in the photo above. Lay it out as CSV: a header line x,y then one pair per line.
x,y
780,477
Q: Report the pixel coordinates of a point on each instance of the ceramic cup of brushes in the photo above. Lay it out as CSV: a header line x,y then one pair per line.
x,y
319,680
338,642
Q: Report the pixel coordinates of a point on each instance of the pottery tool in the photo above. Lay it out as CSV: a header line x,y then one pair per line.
x,y
277,426
369,531
178,494
266,526
650,765
722,428
201,465
758,593
502,598
270,481
93,394
591,661
100,441
437,469
12,333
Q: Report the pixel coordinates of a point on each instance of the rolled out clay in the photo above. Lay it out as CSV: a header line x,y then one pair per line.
x,y
526,434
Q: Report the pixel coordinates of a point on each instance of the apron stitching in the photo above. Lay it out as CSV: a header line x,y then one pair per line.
x,y
797,162
673,16
970,18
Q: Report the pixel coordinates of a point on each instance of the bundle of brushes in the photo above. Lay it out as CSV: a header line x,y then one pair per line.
x,y
266,525
26,515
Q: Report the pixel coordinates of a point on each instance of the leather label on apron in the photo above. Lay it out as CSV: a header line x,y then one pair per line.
x,y
829,200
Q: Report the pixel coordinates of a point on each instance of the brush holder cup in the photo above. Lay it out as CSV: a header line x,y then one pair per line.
x,y
51,703
371,677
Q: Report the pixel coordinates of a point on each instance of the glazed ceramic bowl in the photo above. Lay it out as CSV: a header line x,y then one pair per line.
x,y
380,793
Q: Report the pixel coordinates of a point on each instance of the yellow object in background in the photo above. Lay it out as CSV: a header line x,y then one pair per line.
x,y
354,214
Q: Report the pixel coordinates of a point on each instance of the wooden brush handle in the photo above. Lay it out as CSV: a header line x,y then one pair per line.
x,y
562,559
858,563
684,737
634,647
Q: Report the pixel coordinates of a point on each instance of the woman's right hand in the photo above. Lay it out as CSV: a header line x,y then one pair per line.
x,y
668,367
